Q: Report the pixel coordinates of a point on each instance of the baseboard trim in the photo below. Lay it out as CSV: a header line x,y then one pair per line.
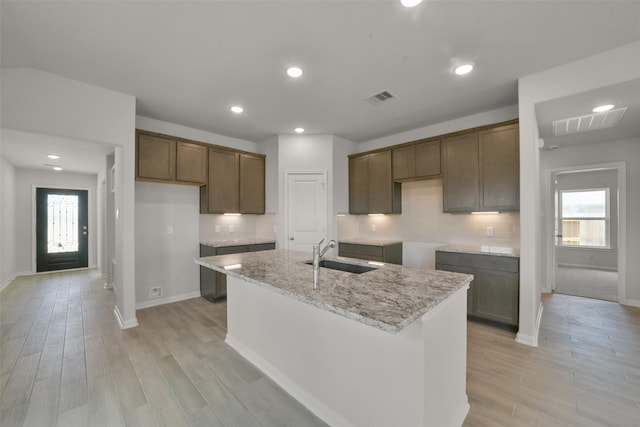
x,y
167,300
589,267
124,324
631,302
531,340
14,277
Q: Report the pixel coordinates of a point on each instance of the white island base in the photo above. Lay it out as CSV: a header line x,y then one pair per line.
x,y
349,373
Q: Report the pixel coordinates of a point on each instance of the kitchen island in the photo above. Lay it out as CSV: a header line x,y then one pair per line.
x,y
385,347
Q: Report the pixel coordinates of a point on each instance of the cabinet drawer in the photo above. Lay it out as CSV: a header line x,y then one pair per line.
x,y
206,250
491,262
225,250
262,247
359,251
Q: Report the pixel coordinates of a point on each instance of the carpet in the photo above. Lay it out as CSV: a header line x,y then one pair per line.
x,y
587,282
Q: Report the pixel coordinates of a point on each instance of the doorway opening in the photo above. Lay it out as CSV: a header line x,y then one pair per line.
x,y
62,234
588,228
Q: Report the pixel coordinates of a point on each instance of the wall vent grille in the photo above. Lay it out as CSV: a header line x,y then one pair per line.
x,y
588,122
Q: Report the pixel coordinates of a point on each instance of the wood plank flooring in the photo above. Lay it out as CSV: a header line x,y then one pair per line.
x,y
65,362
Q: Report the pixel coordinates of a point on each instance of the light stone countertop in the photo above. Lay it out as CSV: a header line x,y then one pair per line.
x,y
388,298
238,242
482,250
370,242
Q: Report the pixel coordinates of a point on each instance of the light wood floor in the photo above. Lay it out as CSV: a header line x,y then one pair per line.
x,y
65,362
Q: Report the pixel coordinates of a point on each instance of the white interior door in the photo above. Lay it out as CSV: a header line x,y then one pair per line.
x,y
306,209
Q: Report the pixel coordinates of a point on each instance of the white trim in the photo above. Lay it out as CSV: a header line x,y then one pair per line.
x,y
34,249
631,302
621,168
167,300
531,340
590,267
124,324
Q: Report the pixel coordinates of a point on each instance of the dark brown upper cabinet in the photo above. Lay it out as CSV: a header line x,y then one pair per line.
x,y
481,170
371,186
236,183
499,156
417,161
164,159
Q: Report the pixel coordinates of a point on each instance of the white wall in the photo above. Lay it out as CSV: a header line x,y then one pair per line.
x,y
25,180
604,69
467,122
627,151
8,269
153,125
166,242
41,102
589,257
304,153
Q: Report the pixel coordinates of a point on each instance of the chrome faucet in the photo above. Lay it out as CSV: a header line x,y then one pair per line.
x,y
318,253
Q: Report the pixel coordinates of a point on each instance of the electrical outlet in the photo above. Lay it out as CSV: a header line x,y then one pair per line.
x,y
169,229
230,228
217,228
155,292
489,231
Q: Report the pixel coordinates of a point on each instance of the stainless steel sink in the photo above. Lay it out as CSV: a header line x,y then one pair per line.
x,y
343,266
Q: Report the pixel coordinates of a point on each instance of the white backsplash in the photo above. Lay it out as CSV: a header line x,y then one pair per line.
x,y
423,222
222,227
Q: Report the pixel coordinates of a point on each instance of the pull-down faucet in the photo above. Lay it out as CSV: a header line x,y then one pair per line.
x,y
318,253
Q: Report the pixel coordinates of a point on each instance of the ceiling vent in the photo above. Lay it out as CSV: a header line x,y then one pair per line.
x,y
588,122
381,97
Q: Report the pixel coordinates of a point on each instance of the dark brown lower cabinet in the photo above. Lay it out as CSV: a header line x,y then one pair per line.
x,y
391,253
494,292
213,284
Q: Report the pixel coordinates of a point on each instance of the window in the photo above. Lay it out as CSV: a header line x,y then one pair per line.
x,y
585,218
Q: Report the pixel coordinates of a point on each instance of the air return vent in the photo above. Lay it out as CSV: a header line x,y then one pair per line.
x,y
588,122
381,97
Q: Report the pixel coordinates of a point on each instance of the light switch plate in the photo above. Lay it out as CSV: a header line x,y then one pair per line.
x,y
217,228
230,228
489,231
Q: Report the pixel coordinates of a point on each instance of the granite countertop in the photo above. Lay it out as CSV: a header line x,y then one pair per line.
x,y
388,298
482,250
238,242
370,242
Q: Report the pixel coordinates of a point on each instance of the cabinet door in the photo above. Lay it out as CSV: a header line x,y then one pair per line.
x,y
191,164
381,197
496,295
155,158
359,185
460,183
471,291
223,189
251,184
427,159
404,163
500,169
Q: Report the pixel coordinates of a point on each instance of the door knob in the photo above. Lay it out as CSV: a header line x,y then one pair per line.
x,y
84,233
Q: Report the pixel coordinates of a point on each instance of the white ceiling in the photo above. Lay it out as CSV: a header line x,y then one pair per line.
x,y
188,62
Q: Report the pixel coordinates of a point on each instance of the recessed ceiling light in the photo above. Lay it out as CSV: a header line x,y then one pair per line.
x,y
463,69
299,130
602,108
237,109
57,168
294,72
410,3
53,156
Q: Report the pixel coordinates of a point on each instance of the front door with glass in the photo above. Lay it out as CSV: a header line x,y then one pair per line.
x,y
62,232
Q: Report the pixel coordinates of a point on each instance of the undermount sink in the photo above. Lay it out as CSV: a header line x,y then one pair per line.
x,y
343,266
